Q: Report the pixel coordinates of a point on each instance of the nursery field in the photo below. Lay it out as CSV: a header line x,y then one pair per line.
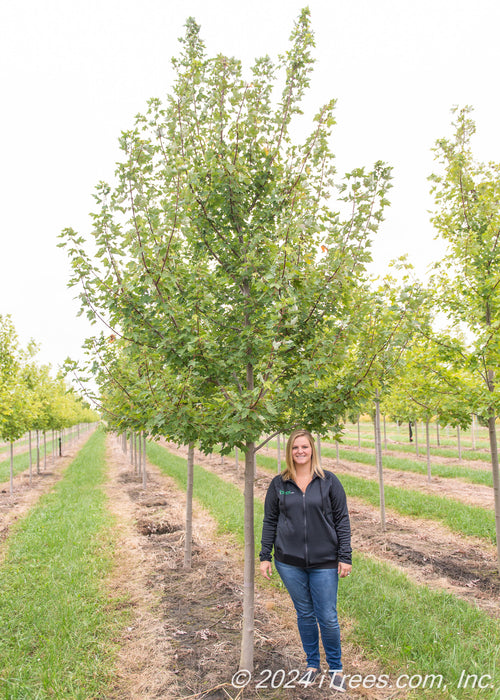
x,y
96,602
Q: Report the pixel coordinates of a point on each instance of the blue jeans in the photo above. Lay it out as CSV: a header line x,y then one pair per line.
x,y
314,595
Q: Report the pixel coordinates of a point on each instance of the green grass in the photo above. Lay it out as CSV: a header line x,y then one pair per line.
x,y
57,621
406,627
20,463
414,630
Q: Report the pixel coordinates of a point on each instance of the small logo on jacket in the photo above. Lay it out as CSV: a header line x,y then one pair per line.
x,y
286,493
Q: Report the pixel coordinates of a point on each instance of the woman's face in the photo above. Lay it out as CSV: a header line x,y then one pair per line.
x,y
301,450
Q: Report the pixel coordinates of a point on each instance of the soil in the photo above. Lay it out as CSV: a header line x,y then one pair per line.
x,y
428,552
184,645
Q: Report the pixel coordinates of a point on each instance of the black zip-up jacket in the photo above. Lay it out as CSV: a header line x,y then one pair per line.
x,y
308,529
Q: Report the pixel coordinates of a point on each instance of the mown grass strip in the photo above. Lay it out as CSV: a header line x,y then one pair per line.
x,y
56,619
408,628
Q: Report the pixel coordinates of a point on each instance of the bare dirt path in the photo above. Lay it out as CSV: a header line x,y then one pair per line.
x,y
183,637
427,551
15,506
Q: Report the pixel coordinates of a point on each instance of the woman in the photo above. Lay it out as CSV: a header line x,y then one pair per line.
x,y
307,522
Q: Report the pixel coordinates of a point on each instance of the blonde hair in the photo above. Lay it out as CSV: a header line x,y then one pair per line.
x,y
290,471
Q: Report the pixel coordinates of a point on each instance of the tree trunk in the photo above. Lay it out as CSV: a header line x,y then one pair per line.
x,y
144,473
139,461
428,445
496,478
188,544
247,632
247,628
473,430
31,460
38,452
378,460
11,468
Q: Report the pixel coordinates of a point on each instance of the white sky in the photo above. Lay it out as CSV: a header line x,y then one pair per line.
x,y
75,72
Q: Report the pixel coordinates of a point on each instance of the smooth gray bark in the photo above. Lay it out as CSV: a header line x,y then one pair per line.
x,y
378,461
188,543
496,479
247,632
428,445
144,473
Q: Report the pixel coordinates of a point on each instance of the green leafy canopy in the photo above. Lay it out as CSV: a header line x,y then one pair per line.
x,y
228,252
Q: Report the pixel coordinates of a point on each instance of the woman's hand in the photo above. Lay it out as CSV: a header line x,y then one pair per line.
x,y
266,569
344,569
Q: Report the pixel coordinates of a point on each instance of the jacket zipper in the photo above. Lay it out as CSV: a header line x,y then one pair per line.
x,y
305,528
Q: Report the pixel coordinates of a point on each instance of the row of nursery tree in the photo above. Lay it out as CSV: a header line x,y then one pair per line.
x,y
228,266
31,398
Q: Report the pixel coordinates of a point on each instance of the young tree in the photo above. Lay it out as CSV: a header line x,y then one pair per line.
x,y
17,403
467,217
393,315
429,386
138,394
220,252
